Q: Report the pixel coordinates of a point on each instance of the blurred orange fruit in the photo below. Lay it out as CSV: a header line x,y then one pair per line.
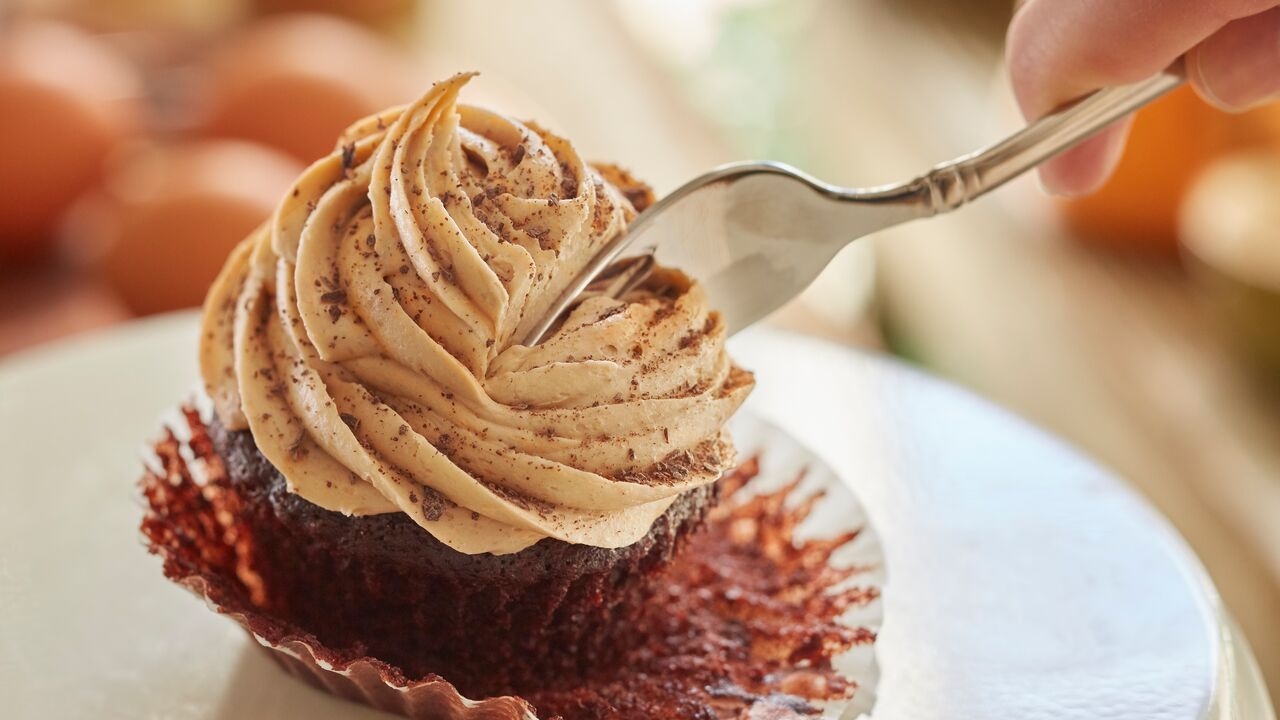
x,y
1172,141
164,223
1231,235
68,101
294,82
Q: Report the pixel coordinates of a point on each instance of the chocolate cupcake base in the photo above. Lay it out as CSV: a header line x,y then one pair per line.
x,y
747,619
500,624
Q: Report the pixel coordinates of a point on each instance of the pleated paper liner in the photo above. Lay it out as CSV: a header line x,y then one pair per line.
x,y
770,611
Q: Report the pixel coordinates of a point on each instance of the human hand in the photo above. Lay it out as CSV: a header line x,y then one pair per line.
x,y
1059,50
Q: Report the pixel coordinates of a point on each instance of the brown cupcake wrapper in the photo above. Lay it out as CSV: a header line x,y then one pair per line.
x,y
363,680
189,525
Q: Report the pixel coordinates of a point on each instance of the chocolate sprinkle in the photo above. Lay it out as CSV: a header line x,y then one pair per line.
x,y
433,504
348,158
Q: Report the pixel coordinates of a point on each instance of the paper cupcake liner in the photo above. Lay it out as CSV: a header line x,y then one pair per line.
x,y
836,511
805,522
363,680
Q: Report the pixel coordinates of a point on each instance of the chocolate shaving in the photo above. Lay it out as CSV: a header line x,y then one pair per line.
x,y
678,466
543,236
348,159
433,504
298,448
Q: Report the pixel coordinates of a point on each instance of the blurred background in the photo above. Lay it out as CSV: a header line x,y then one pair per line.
x,y
141,139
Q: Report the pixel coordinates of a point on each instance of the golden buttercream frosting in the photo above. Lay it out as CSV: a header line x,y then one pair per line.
x,y
367,337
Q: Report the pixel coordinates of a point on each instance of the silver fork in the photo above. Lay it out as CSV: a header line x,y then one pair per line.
x,y
756,234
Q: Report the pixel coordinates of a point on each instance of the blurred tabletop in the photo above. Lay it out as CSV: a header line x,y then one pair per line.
x,y
1117,357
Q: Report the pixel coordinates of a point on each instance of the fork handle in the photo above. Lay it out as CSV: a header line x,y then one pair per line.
x,y
952,184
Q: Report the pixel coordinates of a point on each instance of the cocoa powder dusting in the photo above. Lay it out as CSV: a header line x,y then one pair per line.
x,y
679,465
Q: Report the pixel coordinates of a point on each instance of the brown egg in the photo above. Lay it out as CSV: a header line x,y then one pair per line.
x,y
384,13
168,217
68,101
45,304
294,82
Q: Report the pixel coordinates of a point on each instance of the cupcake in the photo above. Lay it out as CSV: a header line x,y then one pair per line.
x,y
398,475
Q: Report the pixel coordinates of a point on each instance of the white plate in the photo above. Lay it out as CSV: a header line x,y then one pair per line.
x,y
1024,582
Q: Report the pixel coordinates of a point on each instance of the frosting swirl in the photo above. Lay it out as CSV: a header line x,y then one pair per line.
x,y
366,337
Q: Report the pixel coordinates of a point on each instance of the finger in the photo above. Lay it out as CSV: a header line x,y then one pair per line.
x,y
1085,167
1059,50
1239,66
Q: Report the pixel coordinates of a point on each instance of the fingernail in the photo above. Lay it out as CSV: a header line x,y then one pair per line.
x,y
1049,185
1234,70
1197,76
1044,184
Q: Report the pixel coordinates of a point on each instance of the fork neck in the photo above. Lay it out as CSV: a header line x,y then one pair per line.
x,y
952,184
